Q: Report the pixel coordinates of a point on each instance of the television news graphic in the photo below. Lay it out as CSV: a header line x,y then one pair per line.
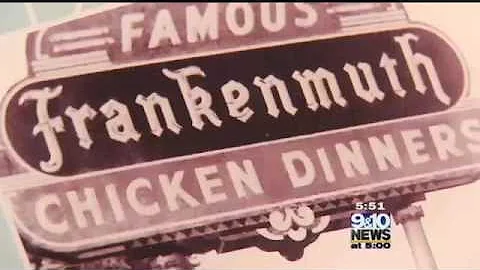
x,y
371,227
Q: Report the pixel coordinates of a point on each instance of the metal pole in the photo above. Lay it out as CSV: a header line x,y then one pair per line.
x,y
410,218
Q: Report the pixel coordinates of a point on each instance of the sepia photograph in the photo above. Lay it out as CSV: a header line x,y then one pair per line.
x,y
239,135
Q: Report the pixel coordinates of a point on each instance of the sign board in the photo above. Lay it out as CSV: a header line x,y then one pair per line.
x,y
167,196
71,124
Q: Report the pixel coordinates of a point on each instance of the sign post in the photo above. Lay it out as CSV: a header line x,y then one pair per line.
x,y
13,259
410,218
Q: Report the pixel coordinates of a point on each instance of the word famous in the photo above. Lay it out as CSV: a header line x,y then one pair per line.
x,y
146,30
240,19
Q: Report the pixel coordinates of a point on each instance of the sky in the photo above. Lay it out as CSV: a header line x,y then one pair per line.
x,y
451,217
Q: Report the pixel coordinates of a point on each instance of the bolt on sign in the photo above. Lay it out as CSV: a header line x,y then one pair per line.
x,y
141,117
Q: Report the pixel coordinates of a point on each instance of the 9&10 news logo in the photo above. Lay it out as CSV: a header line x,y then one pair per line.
x,y
371,226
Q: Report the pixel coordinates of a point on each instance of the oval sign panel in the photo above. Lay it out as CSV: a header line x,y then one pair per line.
x,y
80,123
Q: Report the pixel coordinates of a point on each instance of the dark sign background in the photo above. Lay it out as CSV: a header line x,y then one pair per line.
x,y
125,84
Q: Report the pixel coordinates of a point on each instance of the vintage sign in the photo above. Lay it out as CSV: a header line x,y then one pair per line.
x,y
148,31
153,128
79,123
168,196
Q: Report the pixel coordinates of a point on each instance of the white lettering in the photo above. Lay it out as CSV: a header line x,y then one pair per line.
x,y
232,22
41,213
46,125
389,65
266,86
266,16
236,96
114,200
245,176
163,28
470,128
89,205
207,185
326,165
352,158
370,94
79,118
384,151
198,100
443,138
128,32
173,190
294,175
414,60
137,205
120,125
149,104
414,147
320,79
199,26
310,18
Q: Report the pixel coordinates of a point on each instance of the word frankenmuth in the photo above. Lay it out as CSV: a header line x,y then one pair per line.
x,y
285,78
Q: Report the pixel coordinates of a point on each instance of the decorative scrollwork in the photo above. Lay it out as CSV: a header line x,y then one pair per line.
x,y
116,262
175,261
159,262
294,223
48,264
